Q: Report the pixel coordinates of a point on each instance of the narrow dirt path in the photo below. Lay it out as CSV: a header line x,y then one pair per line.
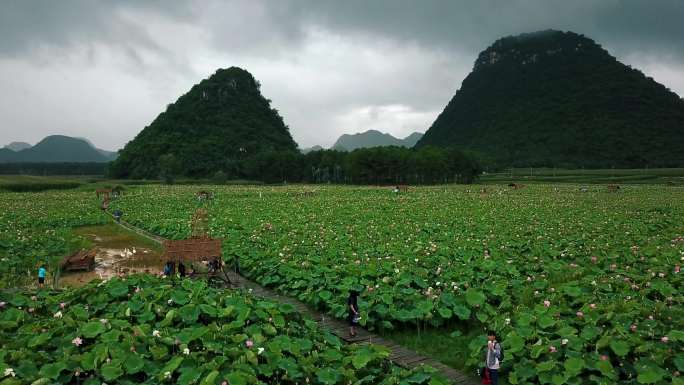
x,y
399,355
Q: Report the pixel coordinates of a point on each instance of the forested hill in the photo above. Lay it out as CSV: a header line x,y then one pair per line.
x,y
218,124
559,99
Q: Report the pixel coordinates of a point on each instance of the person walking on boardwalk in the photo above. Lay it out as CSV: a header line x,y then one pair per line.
x,y
42,272
181,269
117,215
354,314
494,357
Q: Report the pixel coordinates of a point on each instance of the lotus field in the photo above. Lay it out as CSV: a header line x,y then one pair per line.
x,y
148,330
582,288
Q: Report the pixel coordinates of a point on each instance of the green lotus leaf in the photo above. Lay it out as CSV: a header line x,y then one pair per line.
x,y
325,295
111,371
545,366
52,370
189,376
133,363
620,347
210,379
474,297
92,329
362,357
514,343
462,312
118,289
649,375
574,365
328,376
606,368
545,321
418,378
39,340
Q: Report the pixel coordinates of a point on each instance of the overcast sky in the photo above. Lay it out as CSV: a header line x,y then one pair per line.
x,y
105,69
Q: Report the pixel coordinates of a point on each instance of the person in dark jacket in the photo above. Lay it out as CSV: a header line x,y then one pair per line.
x,y
181,269
354,314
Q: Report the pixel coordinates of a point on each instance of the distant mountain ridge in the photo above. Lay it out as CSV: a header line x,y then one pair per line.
x,y
17,146
553,98
373,138
55,148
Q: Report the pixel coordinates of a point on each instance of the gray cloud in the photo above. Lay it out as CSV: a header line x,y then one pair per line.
x,y
105,69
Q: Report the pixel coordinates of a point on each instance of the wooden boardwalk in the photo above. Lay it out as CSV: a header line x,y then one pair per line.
x,y
398,354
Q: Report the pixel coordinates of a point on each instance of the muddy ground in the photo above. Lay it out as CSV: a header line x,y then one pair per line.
x,y
118,252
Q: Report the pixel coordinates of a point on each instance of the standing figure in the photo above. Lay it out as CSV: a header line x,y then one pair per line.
x,y
181,269
354,314
494,357
117,215
42,272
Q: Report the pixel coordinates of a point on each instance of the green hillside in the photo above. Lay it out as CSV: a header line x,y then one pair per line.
x,y
220,122
558,99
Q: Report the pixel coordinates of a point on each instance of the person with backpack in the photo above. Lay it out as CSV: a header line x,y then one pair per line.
x,y
493,358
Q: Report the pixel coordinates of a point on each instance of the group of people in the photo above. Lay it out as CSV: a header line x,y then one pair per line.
x,y
170,269
493,356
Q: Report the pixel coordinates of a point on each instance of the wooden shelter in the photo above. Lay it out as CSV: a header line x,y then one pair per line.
x,y
205,195
104,192
200,247
193,249
82,260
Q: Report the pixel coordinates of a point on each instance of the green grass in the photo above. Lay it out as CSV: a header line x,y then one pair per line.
x,y
447,345
604,176
115,236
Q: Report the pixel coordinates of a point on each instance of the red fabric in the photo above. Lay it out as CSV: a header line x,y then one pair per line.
x,y
485,379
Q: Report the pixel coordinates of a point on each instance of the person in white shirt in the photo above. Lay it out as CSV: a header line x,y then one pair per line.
x,y
493,357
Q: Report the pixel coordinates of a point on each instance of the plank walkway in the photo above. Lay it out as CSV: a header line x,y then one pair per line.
x,y
398,354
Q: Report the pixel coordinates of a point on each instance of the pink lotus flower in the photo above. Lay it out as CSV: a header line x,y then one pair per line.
x,y
633,328
552,349
547,303
677,269
62,305
579,314
604,357
594,259
77,341
30,310
224,383
613,266
33,298
593,306
2,304
665,339
249,343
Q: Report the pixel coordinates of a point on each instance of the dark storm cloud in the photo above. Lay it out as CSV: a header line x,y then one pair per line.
x,y
107,68
625,25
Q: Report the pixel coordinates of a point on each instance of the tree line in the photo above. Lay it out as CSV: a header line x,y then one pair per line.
x,y
377,165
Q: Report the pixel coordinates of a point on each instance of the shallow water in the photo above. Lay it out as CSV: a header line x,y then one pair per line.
x,y
118,252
